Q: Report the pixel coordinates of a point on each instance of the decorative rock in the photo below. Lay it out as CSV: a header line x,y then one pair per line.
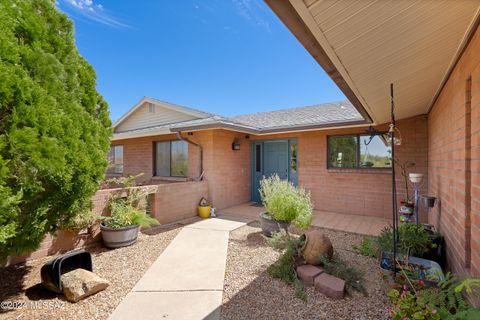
x,y
307,274
316,246
330,286
80,283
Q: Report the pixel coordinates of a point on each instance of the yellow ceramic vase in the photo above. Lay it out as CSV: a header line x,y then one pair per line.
x,y
204,212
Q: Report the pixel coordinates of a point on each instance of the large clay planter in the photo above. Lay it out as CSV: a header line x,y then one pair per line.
x,y
122,237
316,246
270,225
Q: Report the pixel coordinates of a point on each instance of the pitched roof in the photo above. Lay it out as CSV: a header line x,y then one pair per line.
x,y
172,106
327,113
303,118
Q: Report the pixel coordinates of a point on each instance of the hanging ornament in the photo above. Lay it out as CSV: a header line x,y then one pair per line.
x,y
397,140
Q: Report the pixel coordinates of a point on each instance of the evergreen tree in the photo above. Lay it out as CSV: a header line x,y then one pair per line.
x,y
54,125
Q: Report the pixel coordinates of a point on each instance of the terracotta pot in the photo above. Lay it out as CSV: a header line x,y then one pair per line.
x,y
270,225
316,246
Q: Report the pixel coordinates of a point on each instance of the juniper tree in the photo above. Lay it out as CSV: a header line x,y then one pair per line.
x,y
54,125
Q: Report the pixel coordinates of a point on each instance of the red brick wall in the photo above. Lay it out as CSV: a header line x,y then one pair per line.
x,y
454,161
171,202
363,192
228,171
179,200
66,240
356,191
138,155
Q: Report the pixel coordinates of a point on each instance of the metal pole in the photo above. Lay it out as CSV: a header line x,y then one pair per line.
x,y
394,185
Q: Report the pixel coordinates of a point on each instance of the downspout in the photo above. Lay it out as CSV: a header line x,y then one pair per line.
x,y
179,136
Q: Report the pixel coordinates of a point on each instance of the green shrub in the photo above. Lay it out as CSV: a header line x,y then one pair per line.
x,y
339,268
127,205
413,300
284,267
54,125
413,239
81,221
368,247
285,202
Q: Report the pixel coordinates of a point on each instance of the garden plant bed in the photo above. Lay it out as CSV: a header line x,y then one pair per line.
x,y
250,292
123,267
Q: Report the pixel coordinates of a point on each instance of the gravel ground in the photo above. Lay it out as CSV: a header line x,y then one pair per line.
x,y
123,267
250,293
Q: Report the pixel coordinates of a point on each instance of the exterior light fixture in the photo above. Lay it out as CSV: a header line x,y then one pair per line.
x,y
235,146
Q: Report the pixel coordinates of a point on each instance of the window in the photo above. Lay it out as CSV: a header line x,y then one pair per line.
x,y
115,159
258,158
171,158
151,108
293,158
359,152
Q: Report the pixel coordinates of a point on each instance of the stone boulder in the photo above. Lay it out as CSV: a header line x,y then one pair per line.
x,y
316,246
80,283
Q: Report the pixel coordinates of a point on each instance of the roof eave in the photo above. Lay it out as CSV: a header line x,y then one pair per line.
x,y
292,20
132,135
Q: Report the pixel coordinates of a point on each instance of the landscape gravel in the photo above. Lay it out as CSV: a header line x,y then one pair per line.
x,y
123,267
251,293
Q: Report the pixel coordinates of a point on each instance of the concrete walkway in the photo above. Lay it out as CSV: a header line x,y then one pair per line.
x,y
186,281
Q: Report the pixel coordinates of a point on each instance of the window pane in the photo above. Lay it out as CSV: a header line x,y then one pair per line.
x,y
258,158
375,152
162,159
293,158
179,159
342,152
118,155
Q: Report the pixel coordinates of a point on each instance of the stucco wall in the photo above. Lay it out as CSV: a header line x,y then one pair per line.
x,y
454,161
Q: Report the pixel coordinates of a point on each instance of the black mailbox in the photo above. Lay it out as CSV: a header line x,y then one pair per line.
x,y
52,271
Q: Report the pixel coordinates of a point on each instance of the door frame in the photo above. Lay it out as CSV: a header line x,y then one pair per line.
x,y
253,172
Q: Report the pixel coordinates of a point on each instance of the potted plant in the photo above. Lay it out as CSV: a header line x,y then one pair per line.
x,y
413,243
127,214
204,208
284,203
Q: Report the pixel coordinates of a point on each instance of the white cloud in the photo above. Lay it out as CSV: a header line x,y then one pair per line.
x,y
94,11
253,12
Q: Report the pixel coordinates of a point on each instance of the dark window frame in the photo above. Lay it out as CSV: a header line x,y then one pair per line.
x,y
170,158
357,154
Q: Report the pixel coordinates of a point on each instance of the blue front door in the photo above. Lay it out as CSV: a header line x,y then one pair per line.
x,y
273,157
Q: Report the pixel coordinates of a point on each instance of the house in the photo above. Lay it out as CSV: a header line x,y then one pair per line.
x,y
337,151
324,148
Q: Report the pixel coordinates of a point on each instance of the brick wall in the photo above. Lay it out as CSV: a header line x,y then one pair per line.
x,y
227,172
171,202
356,191
454,161
138,155
66,240
179,200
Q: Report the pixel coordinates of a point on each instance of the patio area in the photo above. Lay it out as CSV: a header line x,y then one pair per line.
x,y
364,225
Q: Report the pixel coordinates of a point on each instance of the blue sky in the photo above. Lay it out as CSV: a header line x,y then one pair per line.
x,y
227,57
